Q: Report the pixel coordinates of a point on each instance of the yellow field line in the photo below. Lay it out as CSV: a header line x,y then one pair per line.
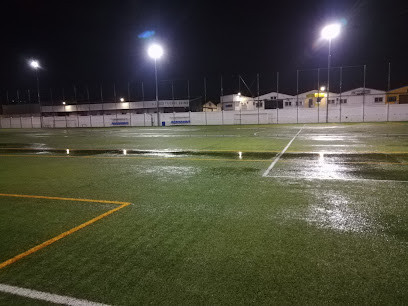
x,y
64,234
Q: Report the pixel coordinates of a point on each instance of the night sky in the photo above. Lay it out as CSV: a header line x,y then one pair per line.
x,y
97,41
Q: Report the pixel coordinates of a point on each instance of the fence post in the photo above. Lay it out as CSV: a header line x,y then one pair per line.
x,y
364,87
341,86
257,85
277,97
318,95
297,96
388,90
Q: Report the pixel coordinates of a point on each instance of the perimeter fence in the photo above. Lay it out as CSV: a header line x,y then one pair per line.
x,y
353,94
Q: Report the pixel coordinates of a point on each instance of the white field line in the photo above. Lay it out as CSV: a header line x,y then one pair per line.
x,y
44,296
335,179
281,153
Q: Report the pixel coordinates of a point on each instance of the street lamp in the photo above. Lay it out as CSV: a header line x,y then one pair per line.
x,y
329,32
155,51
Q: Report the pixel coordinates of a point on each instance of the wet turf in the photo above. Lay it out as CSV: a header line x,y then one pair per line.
x,y
205,227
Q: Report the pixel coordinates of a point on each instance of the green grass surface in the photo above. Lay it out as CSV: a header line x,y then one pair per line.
x,y
208,228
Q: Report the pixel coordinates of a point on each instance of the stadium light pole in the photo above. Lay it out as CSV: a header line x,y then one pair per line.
x,y
329,32
155,51
36,65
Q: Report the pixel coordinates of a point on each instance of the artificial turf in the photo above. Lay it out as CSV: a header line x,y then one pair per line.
x,y
209,229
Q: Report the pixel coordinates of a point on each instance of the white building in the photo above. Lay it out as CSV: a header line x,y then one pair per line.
x,y
279,100
309,99
270,100
235,102
165,106
358,96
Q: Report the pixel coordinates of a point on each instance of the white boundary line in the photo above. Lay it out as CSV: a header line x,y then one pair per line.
x,y
335,179
44,296
280,154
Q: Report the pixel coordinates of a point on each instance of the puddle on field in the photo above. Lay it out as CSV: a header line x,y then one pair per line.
x,y
336,210
375,166
337,213
172,172
146,153
33,146
233,171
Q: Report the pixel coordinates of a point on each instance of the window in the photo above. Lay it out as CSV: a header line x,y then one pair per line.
x,y
378,99
343,101
299,103
392,99
288,103
331,101
273,98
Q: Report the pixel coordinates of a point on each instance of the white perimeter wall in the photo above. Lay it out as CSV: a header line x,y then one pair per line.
x,y
393,112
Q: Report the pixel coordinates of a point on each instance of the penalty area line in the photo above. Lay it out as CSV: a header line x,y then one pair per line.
x,y
281,153
45,296
64,234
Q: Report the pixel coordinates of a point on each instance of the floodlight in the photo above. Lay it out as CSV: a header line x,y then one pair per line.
x,y
122,100
322,88
331,31
35,64
155,51
63,103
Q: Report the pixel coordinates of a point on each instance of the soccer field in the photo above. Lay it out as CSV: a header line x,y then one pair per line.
x,y
273,214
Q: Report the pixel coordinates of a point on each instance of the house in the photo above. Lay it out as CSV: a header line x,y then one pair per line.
x,y
210,107
398,96
315,98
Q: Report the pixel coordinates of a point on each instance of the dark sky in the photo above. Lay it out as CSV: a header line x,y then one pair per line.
x,y
97,41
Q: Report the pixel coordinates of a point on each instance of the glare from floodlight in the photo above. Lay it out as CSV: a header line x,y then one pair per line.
x,y
63,103
331,31
155,51
35,64
322,88
239,94
122,100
